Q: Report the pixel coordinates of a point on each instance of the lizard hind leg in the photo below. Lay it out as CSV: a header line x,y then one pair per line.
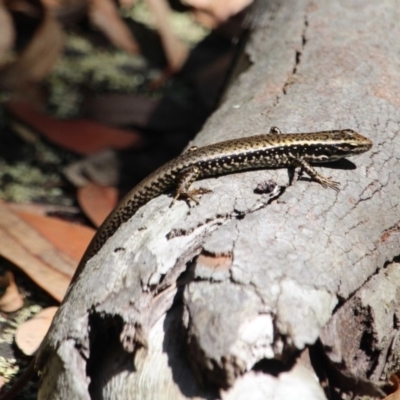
x,y
184,181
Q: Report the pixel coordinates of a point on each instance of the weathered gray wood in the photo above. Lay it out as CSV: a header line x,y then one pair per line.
x,y
361,340
263,274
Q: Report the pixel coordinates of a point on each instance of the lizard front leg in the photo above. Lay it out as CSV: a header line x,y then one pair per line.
x,y
184,181
316,176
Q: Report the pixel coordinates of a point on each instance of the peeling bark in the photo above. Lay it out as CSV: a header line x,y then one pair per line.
x,y
220,299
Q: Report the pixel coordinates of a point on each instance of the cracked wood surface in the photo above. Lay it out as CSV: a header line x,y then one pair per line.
x,y
249,277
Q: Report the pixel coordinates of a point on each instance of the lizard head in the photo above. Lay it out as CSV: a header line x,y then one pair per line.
x,y
334,145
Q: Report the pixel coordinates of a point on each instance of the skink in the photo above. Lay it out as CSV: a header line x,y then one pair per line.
x,y
271,150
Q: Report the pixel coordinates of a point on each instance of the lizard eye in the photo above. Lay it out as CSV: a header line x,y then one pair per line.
x,y
338,135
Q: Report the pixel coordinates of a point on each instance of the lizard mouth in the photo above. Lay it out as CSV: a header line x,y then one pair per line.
x,y
362,148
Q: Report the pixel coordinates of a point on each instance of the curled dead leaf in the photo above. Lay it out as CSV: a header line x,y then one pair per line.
x,y
97,201
67,11
39,259
30,334
220,10
395,382
35,61
80,135
104,14
102,168
175,51
11,300
71,239
7,34
43,209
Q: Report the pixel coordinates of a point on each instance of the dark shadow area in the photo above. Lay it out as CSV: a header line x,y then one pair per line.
x,y
332,378
273,367
344,163
107,358
185,372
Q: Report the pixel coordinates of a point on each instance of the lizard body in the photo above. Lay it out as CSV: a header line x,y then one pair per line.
x,y
271,150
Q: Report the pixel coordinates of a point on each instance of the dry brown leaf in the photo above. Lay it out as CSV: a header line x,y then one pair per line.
x,y
30,334
37,58
218,10
68,11
104,14
80,135
26,248
31,9
175,50
70,238
11,300
395,381
7,33
97,201
32,241
43,209
54,283
102,168
2,381
131,109
125,109
126,3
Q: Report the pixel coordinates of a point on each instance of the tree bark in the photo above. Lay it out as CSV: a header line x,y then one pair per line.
x,y
221,300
